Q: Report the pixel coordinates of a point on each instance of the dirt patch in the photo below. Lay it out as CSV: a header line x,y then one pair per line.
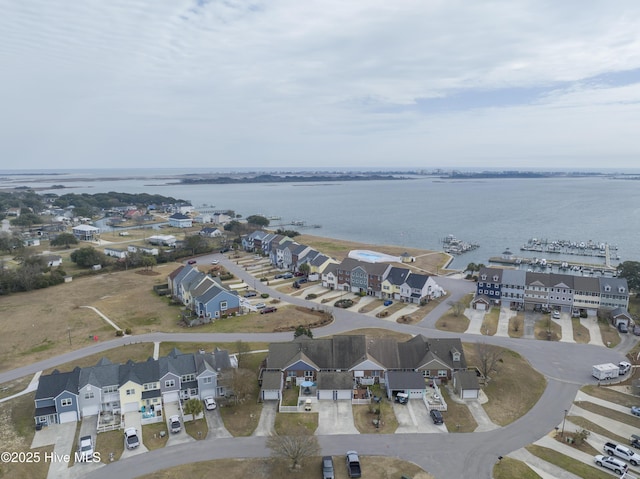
x,y
516,325
547,330
453,323
580,332
145,272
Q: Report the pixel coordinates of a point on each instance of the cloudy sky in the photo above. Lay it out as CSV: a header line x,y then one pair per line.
x,y
332,83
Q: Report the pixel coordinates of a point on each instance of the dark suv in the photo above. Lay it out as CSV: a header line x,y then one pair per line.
x,y
436,416
268,309
327,468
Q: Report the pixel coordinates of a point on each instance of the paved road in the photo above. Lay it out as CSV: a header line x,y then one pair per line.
x,y
567,366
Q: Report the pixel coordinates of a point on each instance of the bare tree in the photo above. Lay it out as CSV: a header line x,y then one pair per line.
x,y
457,307
243,382
294,447
242,348
489,358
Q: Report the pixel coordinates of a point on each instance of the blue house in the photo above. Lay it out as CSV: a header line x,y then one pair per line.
x,y
490,284
216,302
56,399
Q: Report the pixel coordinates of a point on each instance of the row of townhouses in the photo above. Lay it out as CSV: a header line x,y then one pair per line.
x,y
529,290
144,387
339,365
381,280
204,296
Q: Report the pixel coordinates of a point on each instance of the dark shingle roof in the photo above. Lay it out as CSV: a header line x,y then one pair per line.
x,y
334,380
397,276
53,384
405,380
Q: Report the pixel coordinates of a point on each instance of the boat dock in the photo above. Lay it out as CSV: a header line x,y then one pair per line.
x,y
453,246
575,248
544,265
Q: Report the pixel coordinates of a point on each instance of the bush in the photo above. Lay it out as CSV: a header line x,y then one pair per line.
x,y
311,296
127,331
264,295
119,332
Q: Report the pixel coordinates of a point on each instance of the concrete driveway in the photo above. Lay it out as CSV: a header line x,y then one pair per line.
x,y
566,326
335,417
173,409
267,420
215,424
414,418
476,317
61,436
87,428
503,321
591,323
133,419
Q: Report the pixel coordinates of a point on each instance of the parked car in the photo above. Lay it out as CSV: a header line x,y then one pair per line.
x,y
250,294
612,463
402,398
622,327
210,403
260,305
295,285
634,440
635,410
131,440
225,250
215,261
287,276
278,276
86,448
436,416
388,302
353,464
298,273
327,468
636,330
174,421
269,309
302,280
556,314
192,261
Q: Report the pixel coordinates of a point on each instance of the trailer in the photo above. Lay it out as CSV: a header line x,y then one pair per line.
x,y
605,371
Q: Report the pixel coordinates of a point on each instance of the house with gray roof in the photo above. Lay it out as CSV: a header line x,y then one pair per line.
x,y
98,388
56,400
466,384
179,220
419,288
366,360
614,293
512,289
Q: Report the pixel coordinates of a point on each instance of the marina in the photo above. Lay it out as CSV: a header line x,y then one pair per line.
x,y
578,248
542,265
454,246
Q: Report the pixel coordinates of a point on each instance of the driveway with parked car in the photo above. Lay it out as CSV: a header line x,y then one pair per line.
x,y
413,417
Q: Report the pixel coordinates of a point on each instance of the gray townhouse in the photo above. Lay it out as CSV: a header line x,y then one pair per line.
x,y
56,400
512,289
338,365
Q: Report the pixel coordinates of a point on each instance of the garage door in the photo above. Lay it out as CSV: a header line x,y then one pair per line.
x,y
481,306
171,397
130,407
70,416
270,395
90,411
469,394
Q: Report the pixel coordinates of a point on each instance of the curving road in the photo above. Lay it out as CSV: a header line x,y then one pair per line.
x,y
566,366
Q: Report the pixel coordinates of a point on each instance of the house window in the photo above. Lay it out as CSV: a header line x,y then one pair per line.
x,y
206,380
130,392
308,374
110,389
426,374
88,395
170,383
188,377
66,402
223,305
442,373
375,374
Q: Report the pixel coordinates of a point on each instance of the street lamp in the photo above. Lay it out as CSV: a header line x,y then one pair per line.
x,y
563,420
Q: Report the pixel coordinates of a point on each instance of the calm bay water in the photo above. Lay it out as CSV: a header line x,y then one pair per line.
x,y
496,213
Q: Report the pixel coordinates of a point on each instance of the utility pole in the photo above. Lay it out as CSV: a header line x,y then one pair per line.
x,y
69,332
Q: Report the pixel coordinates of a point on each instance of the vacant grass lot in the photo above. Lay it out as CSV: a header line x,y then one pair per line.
x,y
509,468
373,467
516,325
578,468
610,335
610,395
513,390
459,418
547,329
286,423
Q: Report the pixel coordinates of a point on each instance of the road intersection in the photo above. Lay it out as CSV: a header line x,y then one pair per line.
x,y
566,366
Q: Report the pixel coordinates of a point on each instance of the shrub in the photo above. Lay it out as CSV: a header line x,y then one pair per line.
x,y
127,331
264,295
119,332
311,296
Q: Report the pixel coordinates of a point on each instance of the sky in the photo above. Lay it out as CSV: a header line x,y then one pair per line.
x,y
333,83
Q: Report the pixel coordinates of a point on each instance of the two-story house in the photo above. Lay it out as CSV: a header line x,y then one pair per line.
x,y
56,400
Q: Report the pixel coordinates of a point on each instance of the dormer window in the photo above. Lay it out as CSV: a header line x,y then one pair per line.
x,y
484,277
621,289
607,288
455,355
495,278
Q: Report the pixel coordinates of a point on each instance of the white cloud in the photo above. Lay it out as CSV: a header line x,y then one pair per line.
x,y
287,83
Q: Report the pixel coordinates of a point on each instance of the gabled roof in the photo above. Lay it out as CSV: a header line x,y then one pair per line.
x,y
179,216
405,380
397,276
51,385
467,380
177,363
139,373
334,380
105,373
586,284
204,285
490,273
339,352
419,351
212,292
514,276
613,283
319,260
417,281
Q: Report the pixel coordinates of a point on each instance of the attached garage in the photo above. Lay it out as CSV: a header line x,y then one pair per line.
x,y
481,303
130,407
335,386
69,416
92,410
271,385
466,385
173,396
270,395
408,382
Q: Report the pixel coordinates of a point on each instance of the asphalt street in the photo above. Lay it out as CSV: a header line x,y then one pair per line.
x,y
566,366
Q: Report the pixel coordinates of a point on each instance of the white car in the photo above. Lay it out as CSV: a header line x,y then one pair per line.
x,y
261,306
215,261
131,440
86,448
210,403
612,463
556,314
174,421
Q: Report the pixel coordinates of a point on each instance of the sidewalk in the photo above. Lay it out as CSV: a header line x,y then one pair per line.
x,y
544,469
32,386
